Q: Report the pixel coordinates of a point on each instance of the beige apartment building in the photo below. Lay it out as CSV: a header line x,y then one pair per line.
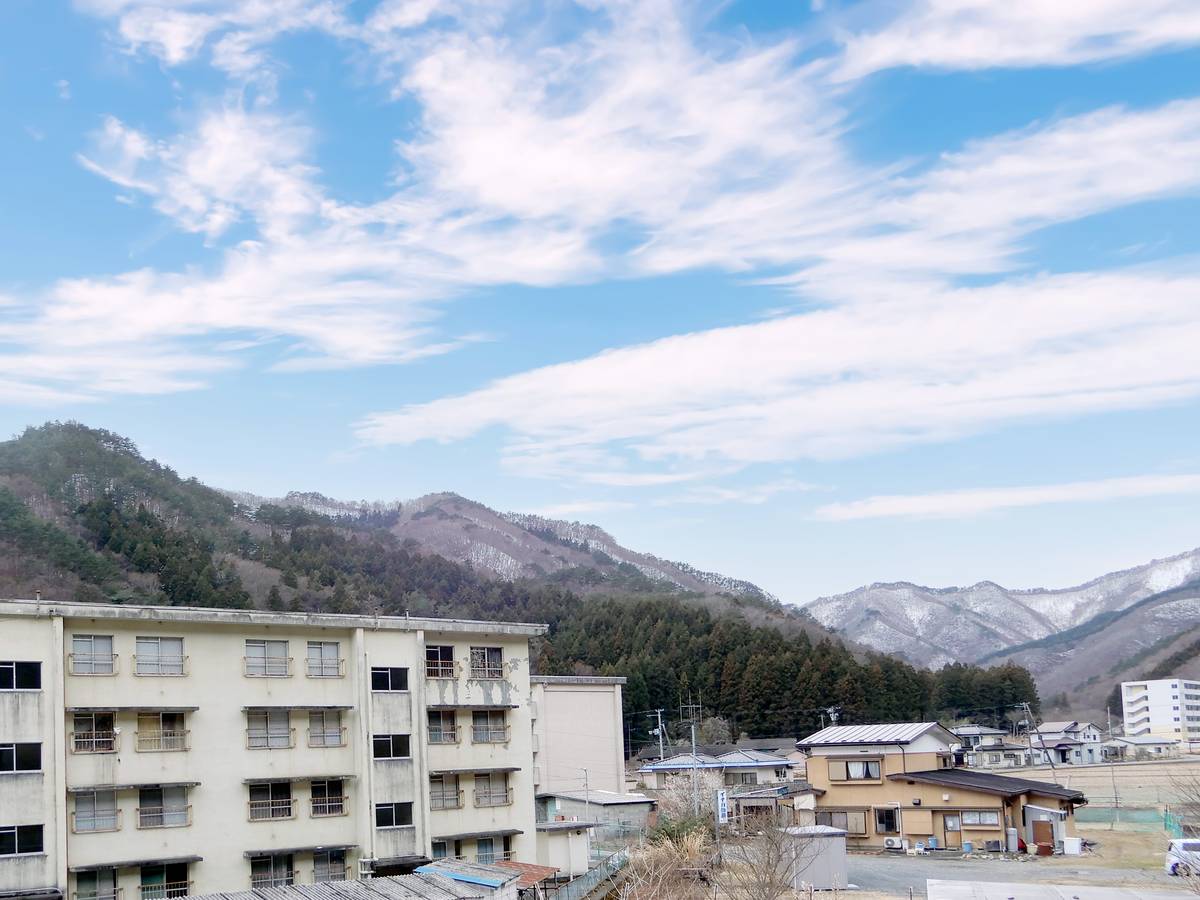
x,y
578,733
156,752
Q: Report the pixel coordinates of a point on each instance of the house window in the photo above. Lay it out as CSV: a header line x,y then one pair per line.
x,y
330,865
390,746
94,733
161,732
491,789
489,726
389,678
20,758
276,870
92,654
444,792
324,660
485,851
20,676
733,778
951,822
328,798
981,817
995,759
159,656
268,729
165,882
98,884
393,815
268,659
887,821
165,807
325,728
487,662
853,770
443,727
852,821
439,662
439,850
270,800
96,811
17,840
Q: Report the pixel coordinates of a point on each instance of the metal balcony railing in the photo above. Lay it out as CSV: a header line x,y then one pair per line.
x,y
93,663
489,734
327,737
274,880
267,666
112,894
325,668
490,671
270,740
488,858
95,822
446,800
164,816
94,742
329,806
441,669
443,736
332,873
261,810
174,666
494,798
161,741
165,891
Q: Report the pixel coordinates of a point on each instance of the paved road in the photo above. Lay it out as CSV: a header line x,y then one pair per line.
x,y
895,874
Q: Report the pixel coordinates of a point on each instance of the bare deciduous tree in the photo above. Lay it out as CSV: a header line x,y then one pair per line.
x,y
666,870
766,862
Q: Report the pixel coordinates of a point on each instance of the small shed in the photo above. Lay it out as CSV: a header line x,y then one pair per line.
x,y
817,857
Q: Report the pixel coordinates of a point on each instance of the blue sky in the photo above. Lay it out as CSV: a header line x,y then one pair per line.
x,y
814,294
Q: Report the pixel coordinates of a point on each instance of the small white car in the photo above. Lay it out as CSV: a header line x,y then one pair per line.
x,y
1183,857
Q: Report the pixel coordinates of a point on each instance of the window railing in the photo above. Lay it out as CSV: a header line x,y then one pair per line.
x,y
488,858
165,891
329,806
489,734
164,816
443,736
487,670
95,822
266,881
267,666
332,873
93,663
161,741
111,894
325,668
261,810
160,665
439,669
94,742
446,800
497,797
270,740
327,737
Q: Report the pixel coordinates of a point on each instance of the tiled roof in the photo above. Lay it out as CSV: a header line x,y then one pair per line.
x,y
530,874
900,733
1004,785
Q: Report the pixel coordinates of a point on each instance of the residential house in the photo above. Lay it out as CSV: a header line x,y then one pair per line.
x,y
1162,708
792,803
985,747
1065,743
1141,747
739,767
887,784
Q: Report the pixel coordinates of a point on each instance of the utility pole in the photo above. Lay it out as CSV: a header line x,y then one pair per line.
x,y
694,711
1030,730
662,752
587,798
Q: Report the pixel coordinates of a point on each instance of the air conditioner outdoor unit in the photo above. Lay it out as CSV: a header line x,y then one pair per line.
x,y
893,843
366,867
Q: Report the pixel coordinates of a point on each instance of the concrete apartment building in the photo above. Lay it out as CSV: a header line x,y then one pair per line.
x,y
1162,708
578,733
155,752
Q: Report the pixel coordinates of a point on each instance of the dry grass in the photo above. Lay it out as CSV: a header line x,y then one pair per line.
x,y
1117,850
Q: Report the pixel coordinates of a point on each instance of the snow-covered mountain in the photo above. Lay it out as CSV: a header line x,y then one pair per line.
x,y
934,626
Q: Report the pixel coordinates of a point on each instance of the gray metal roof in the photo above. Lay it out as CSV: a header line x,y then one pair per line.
x,y
462,870
898,733
602,798
577,679
395,887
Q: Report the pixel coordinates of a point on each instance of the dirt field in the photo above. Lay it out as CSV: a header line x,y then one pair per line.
x,y
1136,783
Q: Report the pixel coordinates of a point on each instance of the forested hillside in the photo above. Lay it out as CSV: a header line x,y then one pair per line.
x,y
83,516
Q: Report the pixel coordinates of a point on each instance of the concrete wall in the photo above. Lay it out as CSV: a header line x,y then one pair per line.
x,y
579,725
1164,708
565,849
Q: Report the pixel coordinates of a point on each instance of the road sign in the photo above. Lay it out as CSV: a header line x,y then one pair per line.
x,y
722,807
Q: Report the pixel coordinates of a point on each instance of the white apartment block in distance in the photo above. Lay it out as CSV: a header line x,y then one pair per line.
x,y
1165,708
578,733
156,752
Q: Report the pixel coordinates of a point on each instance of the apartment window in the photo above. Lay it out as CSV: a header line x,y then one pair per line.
x,y
276,870
325,728
165,807
852,821
159,656
887,821
489,726
268,659
96,811
439,662
485,850
444,792
439,849
20,676
390,746
443,727
94,733
328,798
324,659
268,729
98,884
981,817
389,678
272,800
92,654
393,815
491,789
20,758
161,732
853,770
487,662
329,865
165,882
17,840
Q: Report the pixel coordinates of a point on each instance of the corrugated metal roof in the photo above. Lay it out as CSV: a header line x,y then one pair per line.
x,y
395,887
462,870
601,798
754,756
898,733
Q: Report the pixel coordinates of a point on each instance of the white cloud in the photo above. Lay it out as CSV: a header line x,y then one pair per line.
x,y
979,34
64,89
580,507
751,494
976,501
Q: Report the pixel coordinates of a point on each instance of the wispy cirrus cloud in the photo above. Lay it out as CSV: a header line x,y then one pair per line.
x,y
977,501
